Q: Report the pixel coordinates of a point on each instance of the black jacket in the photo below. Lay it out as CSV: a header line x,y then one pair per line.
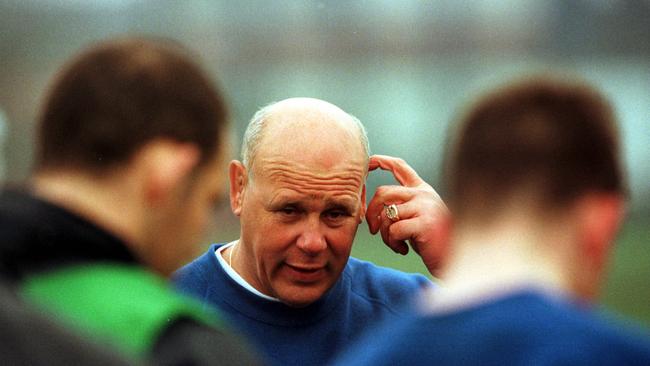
x,y
37,237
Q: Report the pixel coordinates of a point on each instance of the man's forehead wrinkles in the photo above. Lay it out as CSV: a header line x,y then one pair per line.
x,y
317,191
352,179
331,198
343,172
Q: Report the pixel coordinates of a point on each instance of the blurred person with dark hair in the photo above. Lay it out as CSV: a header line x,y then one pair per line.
x,y
129,166
288,282
537,194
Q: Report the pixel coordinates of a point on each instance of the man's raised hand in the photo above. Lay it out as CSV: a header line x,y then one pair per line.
x,y
423,217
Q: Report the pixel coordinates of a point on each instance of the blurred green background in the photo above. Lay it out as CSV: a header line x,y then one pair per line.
x,y
405,68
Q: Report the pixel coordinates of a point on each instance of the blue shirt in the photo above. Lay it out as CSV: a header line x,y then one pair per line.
x,y
522,328
313,335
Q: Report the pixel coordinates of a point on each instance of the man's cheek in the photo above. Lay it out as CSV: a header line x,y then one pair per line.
x,y
342,244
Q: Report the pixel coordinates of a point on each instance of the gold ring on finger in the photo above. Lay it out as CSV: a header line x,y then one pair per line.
x,y
392,213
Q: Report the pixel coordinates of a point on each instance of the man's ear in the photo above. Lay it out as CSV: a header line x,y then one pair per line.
x,y
601,216
238,182
166,165
445,228
362,211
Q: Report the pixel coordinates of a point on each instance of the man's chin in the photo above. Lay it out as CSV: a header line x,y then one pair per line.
x,y
302,296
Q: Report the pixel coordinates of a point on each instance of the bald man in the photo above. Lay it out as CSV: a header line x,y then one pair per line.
x,y
289,283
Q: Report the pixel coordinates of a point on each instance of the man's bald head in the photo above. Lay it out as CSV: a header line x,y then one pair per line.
x,y
309,160
298,127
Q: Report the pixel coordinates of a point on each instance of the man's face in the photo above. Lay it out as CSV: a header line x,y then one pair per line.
x,y
298,222
186,217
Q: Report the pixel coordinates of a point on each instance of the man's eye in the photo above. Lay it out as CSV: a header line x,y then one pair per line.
x,y
336,214
289,211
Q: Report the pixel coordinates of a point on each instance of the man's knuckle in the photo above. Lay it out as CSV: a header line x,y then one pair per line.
x,y
393,230
381,190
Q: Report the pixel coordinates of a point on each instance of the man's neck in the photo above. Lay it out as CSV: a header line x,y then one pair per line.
x,y
487,263
104,203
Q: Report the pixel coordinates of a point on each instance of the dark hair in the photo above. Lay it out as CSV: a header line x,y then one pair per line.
x,y
549,140
118,95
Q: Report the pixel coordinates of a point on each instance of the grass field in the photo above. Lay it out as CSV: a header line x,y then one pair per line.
x,y
627,289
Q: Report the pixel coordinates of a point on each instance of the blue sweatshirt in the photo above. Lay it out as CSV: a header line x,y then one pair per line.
x,y
364,295
522,328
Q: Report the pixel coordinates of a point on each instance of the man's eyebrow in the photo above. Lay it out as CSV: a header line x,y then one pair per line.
x,y
283,200
346,204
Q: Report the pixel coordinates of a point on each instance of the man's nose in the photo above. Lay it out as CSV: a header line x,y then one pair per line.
x,y
312,239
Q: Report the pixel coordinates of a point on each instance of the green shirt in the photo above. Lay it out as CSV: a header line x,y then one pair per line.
x,y
125,305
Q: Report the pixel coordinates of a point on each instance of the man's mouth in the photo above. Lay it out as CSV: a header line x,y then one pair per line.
x,y
305,273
